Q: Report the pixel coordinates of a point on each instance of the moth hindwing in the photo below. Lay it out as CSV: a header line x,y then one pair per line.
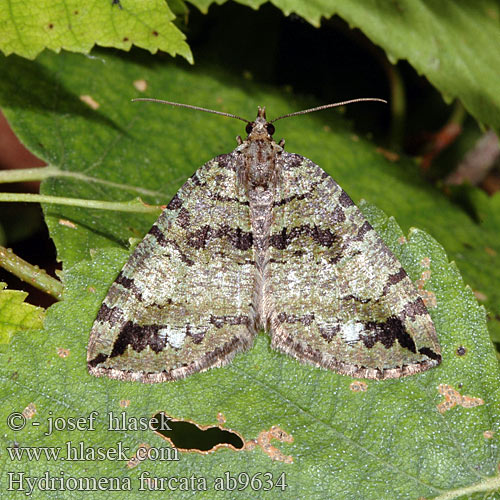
x,y
261,239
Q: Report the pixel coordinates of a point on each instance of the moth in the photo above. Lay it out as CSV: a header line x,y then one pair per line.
x,y
261,239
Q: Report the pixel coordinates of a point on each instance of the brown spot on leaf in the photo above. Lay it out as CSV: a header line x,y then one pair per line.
x,y
425,276
67,223
141,85
124,403
139,456
91,289
125,38
480,296
63,353
358,386
401,240
89,101
221,418
488,434
30,411
428,297
453,398
264,441
51,26
155,33
426,262
461,351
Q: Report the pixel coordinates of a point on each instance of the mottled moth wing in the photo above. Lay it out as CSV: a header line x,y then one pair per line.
x,y
337,296
182,302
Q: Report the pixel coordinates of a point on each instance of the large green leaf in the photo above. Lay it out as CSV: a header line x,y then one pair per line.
x,y
30,26
454,44
387,442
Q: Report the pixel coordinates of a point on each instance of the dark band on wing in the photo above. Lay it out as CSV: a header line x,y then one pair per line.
x,y
128,284
305,319
220,321
387,333
109,314
239,239
156,232
394,279
323,237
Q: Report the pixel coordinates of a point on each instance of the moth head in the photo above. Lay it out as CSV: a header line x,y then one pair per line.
x,y
260,128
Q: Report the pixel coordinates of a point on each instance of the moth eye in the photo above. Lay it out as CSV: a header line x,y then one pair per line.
x,y
249,128
270,128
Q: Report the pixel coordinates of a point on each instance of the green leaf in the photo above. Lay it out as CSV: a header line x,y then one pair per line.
x,y
30,26
16,315
453,44
387,442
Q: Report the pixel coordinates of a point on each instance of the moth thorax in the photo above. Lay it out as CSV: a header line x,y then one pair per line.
x,y
260,164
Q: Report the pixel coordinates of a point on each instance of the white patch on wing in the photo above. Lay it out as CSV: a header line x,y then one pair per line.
x,y
351,331
174,337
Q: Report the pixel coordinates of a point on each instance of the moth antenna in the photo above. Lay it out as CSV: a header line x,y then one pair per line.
x,y
190,106
327,106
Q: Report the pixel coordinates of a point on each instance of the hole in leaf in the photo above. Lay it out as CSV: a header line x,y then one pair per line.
x,y
191,437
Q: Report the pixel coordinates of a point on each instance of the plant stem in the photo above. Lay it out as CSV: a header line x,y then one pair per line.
x,y
137,205
29,273
39,174
398,106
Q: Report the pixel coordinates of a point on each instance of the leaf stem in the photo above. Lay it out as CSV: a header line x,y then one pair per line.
x,y
41,173
489,484
29,273
28,174
136,206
